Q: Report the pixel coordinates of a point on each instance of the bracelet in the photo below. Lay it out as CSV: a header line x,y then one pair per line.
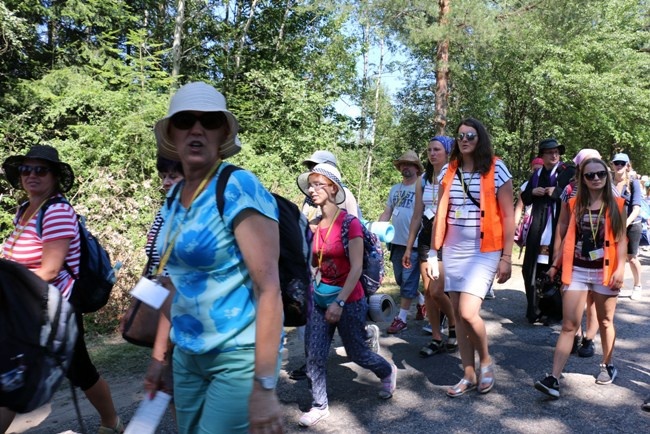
x,y
506,261
509,256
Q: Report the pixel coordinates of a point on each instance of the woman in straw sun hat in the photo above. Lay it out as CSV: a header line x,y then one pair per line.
x,y
49,245
227,312
339,300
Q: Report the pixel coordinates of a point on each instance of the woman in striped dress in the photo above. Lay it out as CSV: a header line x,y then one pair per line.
x,y
474,227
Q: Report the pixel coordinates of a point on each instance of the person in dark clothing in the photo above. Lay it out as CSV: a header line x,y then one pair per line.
x,y
543,193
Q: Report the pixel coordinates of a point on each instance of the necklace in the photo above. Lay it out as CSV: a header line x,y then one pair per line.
x,y
321,248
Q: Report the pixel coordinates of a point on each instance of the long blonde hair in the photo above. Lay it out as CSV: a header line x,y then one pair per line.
x,y
609,200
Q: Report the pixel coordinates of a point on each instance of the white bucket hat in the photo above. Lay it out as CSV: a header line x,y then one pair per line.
x,y
328,171
201,97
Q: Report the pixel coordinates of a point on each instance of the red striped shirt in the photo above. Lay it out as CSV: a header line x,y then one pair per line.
x,y
26,247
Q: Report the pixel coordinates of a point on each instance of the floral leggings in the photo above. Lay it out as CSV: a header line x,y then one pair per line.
x,y
318,337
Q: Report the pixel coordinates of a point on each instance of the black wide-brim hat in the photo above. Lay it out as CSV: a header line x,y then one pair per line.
x,y
62,170
549,144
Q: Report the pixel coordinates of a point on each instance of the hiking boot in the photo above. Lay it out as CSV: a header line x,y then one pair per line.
x,y
396,326
607,374
372,337
389,384
313,416
421,312
587,348
549,385
299,374
636,293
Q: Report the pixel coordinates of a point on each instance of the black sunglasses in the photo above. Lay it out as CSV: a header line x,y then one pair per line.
x,y
619,163
601,174
209,120
468,136
40,171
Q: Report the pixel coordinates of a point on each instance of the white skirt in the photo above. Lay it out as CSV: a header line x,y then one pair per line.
x,y
466,268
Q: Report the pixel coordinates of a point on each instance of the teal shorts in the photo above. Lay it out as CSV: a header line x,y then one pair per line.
x,y
211,391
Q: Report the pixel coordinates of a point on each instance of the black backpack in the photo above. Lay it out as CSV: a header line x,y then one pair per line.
x,y
92,287
38,331
295,252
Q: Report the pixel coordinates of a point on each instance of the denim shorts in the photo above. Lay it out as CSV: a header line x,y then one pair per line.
x,y
408,279
589,279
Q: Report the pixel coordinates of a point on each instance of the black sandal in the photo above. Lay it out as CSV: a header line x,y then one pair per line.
x,y
434,347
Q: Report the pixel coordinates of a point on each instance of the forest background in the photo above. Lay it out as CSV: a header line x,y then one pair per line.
x,y
91,77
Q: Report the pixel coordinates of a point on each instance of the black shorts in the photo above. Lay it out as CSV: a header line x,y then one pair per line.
x,y
82,373
634,238
424,240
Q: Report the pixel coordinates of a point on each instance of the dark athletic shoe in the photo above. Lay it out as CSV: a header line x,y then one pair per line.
x,y
549,385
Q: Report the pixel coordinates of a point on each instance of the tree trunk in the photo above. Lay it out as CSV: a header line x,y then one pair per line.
x,y
242,40
442,72
178,38
287,9
375,114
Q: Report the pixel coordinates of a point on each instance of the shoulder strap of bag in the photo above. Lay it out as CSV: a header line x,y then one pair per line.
x,y
469,195
222,182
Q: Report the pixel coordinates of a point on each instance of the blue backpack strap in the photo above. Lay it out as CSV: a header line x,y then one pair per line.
x,y
41,213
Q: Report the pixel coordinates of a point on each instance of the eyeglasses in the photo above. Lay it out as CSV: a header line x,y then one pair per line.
x,y
592,175
619,163
209,120
316,186
39,171
468,136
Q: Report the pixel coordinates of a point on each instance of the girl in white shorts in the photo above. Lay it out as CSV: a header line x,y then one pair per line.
x,y
592,258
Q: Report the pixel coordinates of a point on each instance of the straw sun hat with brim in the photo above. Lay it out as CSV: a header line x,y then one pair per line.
x,y
328,171
61,170
200,97
409,157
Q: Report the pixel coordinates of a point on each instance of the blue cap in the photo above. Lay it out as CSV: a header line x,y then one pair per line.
x,y
621,157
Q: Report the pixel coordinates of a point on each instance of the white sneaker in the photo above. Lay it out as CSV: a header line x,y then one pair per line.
x,y
389,384
427,328
313,416
636,293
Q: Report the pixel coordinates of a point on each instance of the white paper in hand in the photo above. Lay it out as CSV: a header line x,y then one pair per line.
x,y
150,292
148,415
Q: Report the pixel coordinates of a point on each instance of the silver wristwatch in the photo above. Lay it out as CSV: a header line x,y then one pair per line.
x,y
341,303
267,383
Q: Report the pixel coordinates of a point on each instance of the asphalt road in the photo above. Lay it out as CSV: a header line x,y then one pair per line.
x,y
523,353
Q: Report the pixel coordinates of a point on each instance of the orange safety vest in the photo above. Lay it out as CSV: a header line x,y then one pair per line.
x,y
491,227
610,260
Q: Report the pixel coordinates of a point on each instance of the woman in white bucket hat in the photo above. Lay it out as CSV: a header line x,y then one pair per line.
x,y
339,299
226,314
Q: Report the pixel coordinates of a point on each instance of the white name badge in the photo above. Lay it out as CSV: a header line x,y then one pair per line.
x,y
150,292
395,212
428,213
596,254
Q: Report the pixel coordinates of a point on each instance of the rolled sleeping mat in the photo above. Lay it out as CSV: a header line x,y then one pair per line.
x,y
384,230
382,308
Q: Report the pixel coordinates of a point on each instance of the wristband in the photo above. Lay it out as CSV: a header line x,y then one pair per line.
x,y
432,254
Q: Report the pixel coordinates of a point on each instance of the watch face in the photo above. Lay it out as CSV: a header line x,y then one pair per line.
x,y
341,303
267,383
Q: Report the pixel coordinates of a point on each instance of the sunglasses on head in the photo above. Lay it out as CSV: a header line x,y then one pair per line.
x,y
209,120
601,174
468,136
40,171
619,163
